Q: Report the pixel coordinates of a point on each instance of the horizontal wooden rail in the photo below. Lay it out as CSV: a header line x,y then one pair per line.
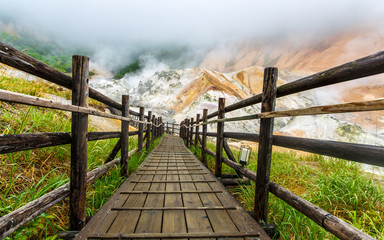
x,y
330,222
363,67
14,220
373,105
8,96
26,141
362,153
21,61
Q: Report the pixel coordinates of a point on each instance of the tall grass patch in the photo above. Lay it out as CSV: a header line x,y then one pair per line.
x,y
336,185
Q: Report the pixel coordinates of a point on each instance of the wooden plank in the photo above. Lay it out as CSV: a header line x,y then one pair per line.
x,y
174,220
124,137
265,145
177,169
151,220
197,221
172,208
219,219
126,221
175,235
79,144
220,138
169,191
176,181
242,220
171,173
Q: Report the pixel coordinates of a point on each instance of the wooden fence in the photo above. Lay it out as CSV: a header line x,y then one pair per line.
x,y
369,154
149,128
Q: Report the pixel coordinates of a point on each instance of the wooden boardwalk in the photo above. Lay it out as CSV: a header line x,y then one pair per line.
x,y
172,195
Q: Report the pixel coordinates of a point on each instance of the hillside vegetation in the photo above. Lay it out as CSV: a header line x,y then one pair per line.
x,y
27,175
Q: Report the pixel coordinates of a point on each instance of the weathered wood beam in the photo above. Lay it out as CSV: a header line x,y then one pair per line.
x,y
114,152
265,145
148,133
362,153
124,137
8,96
374,105
140,138
26,141
220,138
79,143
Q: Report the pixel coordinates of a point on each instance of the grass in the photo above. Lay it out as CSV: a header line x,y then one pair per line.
x,y
337,186
28,175
41,89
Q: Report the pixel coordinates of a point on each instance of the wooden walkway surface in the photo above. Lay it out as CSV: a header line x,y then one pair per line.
x,y
172,195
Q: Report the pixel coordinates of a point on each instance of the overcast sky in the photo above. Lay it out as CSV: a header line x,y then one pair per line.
x,y
189,21
127,25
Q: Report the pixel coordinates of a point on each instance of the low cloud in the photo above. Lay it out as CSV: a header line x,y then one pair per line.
x,y
119,29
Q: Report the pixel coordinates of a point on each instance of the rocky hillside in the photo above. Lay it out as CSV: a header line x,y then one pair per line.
x,y
184,93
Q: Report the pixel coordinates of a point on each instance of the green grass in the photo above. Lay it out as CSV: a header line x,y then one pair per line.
x,y
28,175
337,186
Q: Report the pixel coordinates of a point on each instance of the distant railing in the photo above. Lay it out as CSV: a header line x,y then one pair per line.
x,y
153,127
369,154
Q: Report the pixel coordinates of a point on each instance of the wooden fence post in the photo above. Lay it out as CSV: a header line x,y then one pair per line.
x,y
173,128
124,137
220,138
153,129
162,126
204,138
265,145
187,131
141,130
149,127
197,130
181,129
191,131
79,144
167,129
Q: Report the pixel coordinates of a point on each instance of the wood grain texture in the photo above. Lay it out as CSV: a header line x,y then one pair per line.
x,y
79,144
124,137
8,96
265,145
220,138
140,138
160,205
197,130
149,130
